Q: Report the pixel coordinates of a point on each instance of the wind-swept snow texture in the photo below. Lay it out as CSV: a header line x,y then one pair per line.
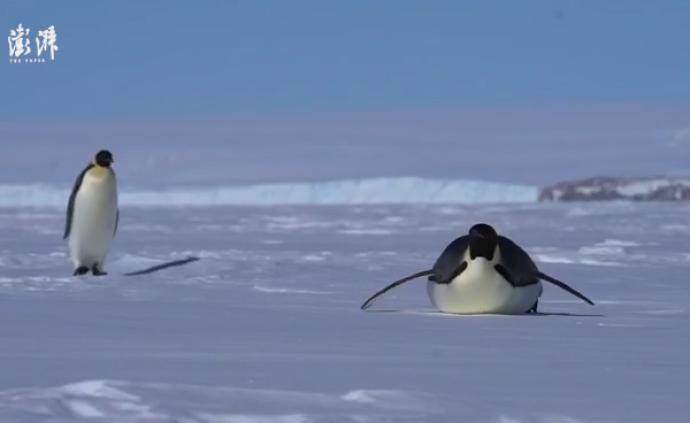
x,y
266,326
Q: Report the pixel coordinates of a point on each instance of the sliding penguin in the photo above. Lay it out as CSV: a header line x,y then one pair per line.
x,y
483,273
92,215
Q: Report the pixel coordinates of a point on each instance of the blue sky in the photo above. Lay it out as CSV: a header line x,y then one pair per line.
x,y
177,59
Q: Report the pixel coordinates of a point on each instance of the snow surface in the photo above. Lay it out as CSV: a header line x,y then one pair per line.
x,y
266,327
403,190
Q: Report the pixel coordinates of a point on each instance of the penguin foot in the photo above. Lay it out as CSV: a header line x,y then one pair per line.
x,y
81,270
98,272
534,308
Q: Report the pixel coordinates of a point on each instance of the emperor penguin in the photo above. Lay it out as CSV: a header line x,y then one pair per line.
x,y
483,273
92,215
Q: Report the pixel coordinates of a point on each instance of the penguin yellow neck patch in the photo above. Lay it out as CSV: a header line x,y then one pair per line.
x,y
99,172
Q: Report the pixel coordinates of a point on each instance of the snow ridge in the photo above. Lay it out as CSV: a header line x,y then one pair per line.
x,y
124,401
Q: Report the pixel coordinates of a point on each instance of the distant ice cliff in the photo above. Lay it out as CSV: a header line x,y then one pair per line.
x,y
402,190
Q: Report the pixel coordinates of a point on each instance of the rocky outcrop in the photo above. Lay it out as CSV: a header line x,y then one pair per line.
x,y
611,188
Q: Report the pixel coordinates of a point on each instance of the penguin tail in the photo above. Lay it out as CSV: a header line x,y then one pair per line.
x,y
371,299
564,287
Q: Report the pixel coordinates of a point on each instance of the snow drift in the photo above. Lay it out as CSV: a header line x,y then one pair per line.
x,y
403,190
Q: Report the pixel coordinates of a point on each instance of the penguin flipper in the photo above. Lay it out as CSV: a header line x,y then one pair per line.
x,y
516,266
564,286
505,273
371,299
436,278
117,221
72,198
449,264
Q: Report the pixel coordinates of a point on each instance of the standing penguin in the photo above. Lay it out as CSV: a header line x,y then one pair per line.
x,y
92,215
483,273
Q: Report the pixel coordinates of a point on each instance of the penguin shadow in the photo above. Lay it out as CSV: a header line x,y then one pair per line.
x,y
159,267
439,313
541,313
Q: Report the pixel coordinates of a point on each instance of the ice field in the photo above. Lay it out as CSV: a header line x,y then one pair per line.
x,y
266,326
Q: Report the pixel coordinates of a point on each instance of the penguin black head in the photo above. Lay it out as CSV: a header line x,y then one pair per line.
x,y
483,241
103,158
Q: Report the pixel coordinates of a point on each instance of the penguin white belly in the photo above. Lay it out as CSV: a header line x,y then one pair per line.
x,y
480,289
93,220
523,298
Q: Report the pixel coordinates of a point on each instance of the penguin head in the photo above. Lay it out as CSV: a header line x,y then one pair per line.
x,y
483,241
103,158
